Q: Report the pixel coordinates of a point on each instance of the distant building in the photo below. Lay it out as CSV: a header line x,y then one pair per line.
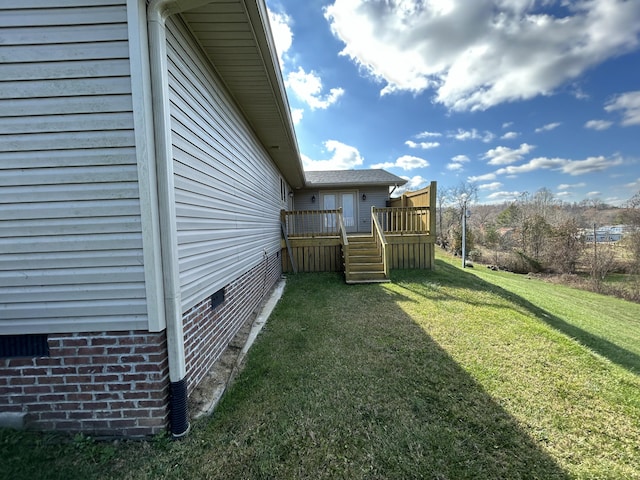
x,y
606,233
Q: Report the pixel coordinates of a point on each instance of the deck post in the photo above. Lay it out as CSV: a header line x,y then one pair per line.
x,y
283,225
432,221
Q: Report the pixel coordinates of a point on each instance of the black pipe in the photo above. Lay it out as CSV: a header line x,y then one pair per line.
x,y
178,411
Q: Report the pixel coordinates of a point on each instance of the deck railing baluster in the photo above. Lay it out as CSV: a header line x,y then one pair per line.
x,y
325,223
399,220
311,223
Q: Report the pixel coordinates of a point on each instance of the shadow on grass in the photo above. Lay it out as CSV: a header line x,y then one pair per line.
x,y
344,384
341,384
615,353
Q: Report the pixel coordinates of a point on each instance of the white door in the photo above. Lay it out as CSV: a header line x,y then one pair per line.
x,y
346,201
349,211
329,203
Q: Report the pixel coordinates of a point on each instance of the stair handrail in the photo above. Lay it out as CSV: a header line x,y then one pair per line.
x,y
378,234
344,240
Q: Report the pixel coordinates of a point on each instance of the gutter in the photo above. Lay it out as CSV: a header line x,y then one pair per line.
x,y
157,13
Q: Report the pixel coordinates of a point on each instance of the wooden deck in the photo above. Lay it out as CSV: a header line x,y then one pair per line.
x,y
316,241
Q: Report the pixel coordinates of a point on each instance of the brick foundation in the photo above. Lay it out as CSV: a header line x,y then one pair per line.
x,y
208,331
102,384
116,384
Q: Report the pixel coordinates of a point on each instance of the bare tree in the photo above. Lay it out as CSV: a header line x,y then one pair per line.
x,y
565,246
442,195
543,202
464,192
603,262
631,216
492,240
462,196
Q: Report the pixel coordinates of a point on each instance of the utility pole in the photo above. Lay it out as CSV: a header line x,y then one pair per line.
x,y
595,253
464,230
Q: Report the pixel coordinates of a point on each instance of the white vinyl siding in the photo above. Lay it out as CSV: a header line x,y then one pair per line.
x,y
228,192
71,255
376,197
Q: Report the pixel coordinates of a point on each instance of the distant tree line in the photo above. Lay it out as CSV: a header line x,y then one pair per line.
x,y
539,233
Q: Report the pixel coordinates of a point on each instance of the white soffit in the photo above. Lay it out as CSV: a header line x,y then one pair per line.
x,y
236,36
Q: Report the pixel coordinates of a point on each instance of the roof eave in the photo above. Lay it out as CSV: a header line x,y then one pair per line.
x,y
356,184
292,170
269,116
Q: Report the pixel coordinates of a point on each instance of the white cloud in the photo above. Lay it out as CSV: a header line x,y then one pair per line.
x,y
593,194
428,134
405,162
566,186
472,134
598,124
578,92
383,165
482,178
589,165
413,183
571,167
345,157
510,136
535,164
308,88
629,104
490,186
422,145
282,34
506,155
503,196
475,55
635,184
296,115
548,127
456,162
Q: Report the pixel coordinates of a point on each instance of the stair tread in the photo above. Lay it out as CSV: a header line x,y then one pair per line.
x,y
366,275
382,280
365,260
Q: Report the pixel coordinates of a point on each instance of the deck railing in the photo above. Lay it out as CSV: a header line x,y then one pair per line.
x,y
311,223
381,242
344,240
403,220
322,223
317,240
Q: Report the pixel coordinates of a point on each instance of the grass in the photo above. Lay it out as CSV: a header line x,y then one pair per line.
x,y
448,374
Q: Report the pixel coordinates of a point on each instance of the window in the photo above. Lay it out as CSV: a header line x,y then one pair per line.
x,y
283,191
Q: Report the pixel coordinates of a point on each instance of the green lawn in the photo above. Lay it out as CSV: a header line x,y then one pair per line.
x,y
448,374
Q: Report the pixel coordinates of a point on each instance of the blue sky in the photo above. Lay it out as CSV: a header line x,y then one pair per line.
x,y
511,95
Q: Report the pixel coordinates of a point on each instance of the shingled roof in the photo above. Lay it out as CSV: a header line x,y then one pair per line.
x,y
360,178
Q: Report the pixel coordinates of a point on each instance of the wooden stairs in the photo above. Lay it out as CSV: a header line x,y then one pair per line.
x,y
365,263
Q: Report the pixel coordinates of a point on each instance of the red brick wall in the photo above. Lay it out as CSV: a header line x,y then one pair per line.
x,y
116,383
102,384
208,331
